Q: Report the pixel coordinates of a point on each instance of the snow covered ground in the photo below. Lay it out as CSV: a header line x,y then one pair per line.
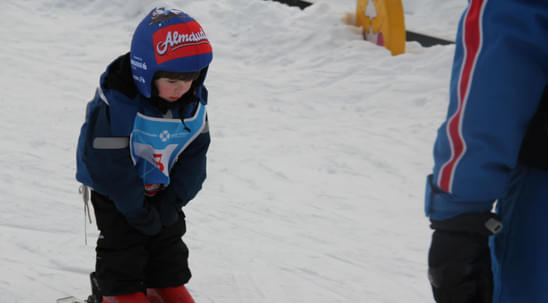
x,y
321,144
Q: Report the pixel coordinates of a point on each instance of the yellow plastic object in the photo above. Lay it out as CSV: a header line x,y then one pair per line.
x,y
383,23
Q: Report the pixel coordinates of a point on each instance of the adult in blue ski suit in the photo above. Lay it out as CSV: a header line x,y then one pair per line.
x,y
142,152
492,152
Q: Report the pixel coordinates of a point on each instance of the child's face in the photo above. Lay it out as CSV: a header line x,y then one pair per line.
x,y
171,89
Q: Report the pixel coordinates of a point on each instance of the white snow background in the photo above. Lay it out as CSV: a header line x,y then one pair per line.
x,y
321,143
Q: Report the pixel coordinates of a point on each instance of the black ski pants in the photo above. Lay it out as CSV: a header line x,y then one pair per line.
x,y
129,261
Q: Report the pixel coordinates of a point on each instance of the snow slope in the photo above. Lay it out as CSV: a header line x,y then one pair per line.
x,y
321,145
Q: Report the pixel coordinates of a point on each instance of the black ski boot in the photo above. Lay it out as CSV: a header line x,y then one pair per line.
x,y
95,296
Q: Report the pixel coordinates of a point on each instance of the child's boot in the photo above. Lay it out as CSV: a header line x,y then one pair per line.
x,y
177,294
137,297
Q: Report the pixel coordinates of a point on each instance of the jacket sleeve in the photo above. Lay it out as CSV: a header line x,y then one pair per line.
x,y
111,170
496,88
189,172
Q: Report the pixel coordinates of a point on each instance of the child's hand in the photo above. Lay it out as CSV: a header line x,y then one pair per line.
x,y
152,189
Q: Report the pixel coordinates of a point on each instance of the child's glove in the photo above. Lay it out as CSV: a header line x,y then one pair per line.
x,y
146,220
165,203
459,260
152,189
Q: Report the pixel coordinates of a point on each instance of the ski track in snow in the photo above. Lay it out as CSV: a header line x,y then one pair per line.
x,y
321,143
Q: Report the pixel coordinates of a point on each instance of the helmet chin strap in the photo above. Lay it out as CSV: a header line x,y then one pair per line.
x,y
163,105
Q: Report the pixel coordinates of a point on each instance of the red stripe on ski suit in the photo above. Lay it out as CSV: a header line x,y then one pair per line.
x,y
472,39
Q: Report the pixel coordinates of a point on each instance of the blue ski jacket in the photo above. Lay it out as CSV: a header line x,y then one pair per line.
x,y
127,143
500,71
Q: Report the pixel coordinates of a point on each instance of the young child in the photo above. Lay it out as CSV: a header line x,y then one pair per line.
x,y
142,151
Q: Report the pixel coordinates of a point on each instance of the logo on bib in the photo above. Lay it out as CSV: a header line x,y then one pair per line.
x,y
164,136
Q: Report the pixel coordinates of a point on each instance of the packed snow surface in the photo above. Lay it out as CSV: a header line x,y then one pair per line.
x,y
321,143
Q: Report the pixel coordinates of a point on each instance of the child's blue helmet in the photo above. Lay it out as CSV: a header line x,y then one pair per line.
x,y
167,40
